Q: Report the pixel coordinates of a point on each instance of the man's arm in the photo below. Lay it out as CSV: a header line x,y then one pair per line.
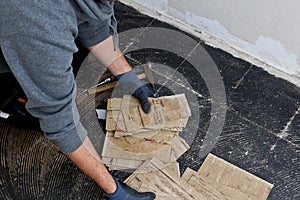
x,y
113,60
119,67
87,160
85,157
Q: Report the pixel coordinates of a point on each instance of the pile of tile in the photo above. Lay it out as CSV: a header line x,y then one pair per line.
x,y
216,179
134,137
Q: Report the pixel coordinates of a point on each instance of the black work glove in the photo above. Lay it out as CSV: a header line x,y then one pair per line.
x,y
124,192
132,84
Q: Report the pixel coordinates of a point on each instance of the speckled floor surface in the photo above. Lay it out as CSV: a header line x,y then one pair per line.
x,y
261,114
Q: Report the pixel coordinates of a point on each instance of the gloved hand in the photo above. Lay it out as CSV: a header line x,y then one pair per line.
x,y
132,84
124,192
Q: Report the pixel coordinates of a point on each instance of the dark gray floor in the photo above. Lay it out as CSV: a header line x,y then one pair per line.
x,y
260,134
262,129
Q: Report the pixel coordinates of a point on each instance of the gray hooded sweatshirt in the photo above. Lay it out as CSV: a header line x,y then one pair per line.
x,y
37,43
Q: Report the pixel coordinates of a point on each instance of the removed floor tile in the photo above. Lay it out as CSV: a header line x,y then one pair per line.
x,y
126,117
216,180
230,181
134,137
130,152
163,181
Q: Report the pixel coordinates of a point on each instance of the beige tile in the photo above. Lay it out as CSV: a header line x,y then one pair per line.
x,y
151,177
231,181
218,179
166,145
126,116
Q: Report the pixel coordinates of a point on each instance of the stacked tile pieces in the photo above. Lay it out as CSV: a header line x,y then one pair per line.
x,y
134,137
126,117
216,180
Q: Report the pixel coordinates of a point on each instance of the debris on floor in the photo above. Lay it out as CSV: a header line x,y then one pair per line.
x,y
216,179
134,137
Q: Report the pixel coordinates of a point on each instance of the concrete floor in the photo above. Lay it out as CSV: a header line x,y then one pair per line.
x,y
260,132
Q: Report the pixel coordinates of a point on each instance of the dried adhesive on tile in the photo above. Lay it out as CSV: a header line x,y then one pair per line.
x,y
143,136
216,179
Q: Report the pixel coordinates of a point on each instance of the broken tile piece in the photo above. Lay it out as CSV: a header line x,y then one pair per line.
x,y
173,169
152,177
134,136
126,117
218,179
145,145
111,123
121,163
118,152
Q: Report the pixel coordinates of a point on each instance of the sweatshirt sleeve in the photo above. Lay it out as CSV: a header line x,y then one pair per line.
x,y
39,53
96,21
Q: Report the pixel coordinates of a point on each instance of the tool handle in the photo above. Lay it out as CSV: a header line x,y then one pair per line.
x,y
107,86
102,88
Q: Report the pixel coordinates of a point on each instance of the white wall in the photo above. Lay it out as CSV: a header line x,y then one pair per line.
x,y
265,33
